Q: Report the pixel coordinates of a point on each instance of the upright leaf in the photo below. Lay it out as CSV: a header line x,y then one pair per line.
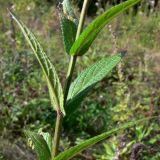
x,y
69,25
69,29
40,145
54,85
73,151
87,80
83,43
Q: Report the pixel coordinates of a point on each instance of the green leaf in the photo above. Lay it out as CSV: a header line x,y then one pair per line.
x,y
69,25
73,151
87,80
40,145
47,137
69,29
54,85
68,9
83,43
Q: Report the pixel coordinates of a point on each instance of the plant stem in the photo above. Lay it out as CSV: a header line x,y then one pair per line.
x,y
69,76
82,17
74,58
68,81
57,134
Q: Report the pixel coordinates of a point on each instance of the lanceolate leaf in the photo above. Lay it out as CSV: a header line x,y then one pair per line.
x,y
39,145
83,43
73,151
69,29
54,85
48,138
87,80
69,25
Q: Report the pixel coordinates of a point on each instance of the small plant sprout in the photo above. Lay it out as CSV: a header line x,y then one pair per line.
x,y
66,99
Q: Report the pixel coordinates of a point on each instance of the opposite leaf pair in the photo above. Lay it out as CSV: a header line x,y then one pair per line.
x,y
82,44
44,153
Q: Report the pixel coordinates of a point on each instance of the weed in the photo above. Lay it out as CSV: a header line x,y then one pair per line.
x,y
65,100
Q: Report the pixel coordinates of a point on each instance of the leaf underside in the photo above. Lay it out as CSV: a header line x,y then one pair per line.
x,y
40,145
54,85
68,9
48,138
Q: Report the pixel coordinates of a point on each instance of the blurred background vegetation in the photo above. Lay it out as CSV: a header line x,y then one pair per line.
x,y
131,92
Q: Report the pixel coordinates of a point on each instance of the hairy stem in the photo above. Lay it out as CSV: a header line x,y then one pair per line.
x,y
74,58
57,134
69,76
71,67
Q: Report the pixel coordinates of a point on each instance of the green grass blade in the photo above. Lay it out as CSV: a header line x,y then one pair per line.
x,y
54,85
87,80
73,151
40,145
83,43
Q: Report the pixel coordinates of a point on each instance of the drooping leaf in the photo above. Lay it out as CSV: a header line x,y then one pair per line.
x,y
73,151
87,80
54,85
69,25
39,145
83,43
